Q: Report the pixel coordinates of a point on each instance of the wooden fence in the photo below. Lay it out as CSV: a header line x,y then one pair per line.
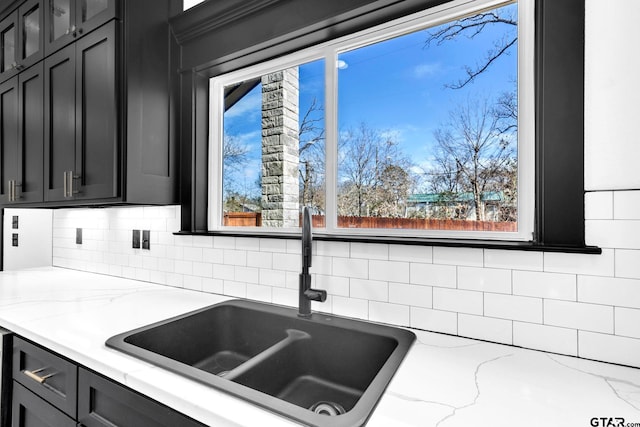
x,y
251,219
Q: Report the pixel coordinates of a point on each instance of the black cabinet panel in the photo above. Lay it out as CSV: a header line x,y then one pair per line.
x,y
46,374
21,137
96,115
59,121
31,135
8,137
28,410
103,403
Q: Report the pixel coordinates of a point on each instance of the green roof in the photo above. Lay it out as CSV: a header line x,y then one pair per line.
x,y
489,196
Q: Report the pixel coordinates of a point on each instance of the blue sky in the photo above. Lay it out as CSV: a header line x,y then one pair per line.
x,y
398,87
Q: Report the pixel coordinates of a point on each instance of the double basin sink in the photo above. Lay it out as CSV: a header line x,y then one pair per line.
x,y
321,371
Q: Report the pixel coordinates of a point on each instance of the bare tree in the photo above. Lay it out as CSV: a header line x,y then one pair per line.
x,y
473,155
311,135
373,173
472,26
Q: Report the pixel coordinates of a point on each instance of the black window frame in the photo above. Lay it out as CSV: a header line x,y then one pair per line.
x,y
226,35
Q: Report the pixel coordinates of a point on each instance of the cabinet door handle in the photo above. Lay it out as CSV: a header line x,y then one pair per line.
x,y
65,184
10,185
40,379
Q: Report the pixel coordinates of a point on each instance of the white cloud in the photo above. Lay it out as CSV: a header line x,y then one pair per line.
x,y
426,70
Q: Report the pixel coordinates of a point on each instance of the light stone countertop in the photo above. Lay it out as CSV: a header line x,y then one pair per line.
x,y
444,381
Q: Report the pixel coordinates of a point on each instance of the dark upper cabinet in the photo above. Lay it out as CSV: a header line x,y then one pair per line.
x,y
81,143
92,123
21,38
8,137
68,20
21,137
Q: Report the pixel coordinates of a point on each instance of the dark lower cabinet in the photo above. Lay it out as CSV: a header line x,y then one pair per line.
x,y
102,403
52,391
29,410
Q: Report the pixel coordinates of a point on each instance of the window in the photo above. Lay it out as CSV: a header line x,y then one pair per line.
x,y
420,127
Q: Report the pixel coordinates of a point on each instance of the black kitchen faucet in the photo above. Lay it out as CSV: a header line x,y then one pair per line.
x,y
306,294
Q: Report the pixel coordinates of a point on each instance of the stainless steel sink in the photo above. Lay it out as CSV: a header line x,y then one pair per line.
x,y
322,371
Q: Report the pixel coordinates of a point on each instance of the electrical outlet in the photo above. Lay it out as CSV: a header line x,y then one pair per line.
x,y
78,236
14,222
146,239
135,240
14,239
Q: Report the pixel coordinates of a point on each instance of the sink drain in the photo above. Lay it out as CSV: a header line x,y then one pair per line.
x,y
327,408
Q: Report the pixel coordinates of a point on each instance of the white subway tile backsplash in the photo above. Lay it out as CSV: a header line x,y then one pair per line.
x,y
351,307
287,262
434,320
458,300
598,205
247,274
596,265
626,205
259,259
517,260
414,295
215,286
247,244
235,289
334,249
615,349
546,338
627,322
394,314
621,234
470,257
356,268
575,315
395,271
269,277
321,264
224,242
485,328
284,296
192,282
259,292
442,276
627,263
192,254
610,291
273,245
183,267
411,253
513,307
369,289
545,285
369,251
332,284
496,295
484,279
234,257
224,272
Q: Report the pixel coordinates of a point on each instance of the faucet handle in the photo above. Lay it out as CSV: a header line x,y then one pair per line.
x,y
316,295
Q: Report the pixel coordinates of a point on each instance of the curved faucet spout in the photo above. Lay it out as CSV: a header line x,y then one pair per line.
x,y
305,293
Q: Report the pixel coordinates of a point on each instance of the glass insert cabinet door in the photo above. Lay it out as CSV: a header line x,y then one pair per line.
x,y
8,38
68,20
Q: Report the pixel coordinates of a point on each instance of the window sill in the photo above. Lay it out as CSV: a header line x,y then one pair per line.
x,y
417,241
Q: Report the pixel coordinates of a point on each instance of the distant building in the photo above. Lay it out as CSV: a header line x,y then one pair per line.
x,y
454,205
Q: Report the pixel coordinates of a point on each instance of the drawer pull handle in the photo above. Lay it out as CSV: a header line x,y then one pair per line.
x,y
38,378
